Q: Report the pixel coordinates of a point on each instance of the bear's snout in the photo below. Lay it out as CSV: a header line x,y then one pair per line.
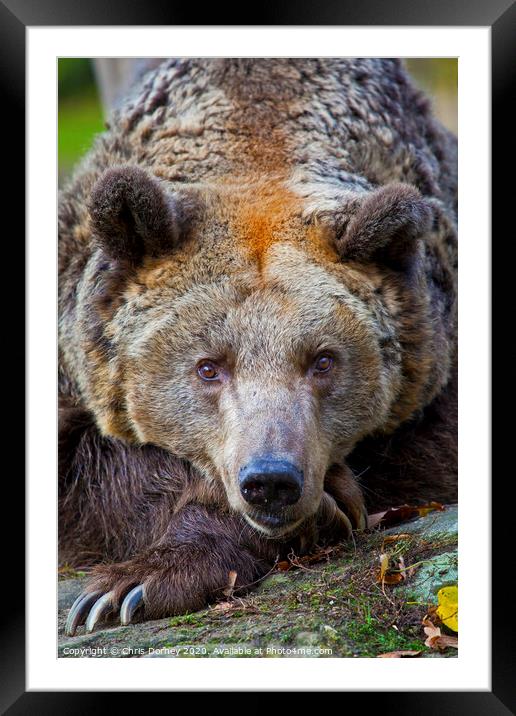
x,y
270,483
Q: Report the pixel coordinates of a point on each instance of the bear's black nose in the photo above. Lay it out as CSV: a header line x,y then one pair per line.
x,y
270,483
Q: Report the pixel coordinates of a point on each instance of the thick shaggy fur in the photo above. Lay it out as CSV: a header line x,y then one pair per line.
x,y
254,213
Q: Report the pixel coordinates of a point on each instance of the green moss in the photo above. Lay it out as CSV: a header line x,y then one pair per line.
x,y
287,635
372,638
195,618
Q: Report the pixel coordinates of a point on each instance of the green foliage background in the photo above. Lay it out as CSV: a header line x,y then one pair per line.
x,y
80,114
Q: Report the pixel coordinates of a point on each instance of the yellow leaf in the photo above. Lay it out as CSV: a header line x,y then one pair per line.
x,y
448,609
384,566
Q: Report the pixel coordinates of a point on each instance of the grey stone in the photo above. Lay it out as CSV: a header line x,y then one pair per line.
x,y
68,591
432,525
439,571
308,638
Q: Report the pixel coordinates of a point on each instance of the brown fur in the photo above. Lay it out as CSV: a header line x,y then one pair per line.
x,y
255,214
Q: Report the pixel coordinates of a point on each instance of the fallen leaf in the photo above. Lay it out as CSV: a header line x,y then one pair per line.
x,y
431,612
394,578
402,568
444,641
448,609
432,632
384,566
395,515
437,640
234,605
395,538
384,576
232,577
223,607
374,520
294,561
406,572
425,509
398,654
312,557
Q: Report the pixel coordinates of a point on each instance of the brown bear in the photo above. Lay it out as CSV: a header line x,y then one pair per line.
x,y
257,324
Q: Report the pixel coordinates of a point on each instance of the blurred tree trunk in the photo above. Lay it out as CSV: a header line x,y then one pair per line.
x,y
115,77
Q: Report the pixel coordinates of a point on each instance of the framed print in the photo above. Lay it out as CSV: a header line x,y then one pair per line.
x,y
142,207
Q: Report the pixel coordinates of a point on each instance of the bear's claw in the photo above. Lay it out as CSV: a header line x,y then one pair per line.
x,y
79,611
131,603
100,609
92,607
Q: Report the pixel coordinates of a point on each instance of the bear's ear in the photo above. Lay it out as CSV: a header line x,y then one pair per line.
x,y
385,227
132,216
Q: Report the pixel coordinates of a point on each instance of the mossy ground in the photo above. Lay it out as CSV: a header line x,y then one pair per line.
x,y
335,607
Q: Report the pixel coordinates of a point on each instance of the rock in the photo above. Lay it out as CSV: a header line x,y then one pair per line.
x,y
308,638
68,591
440,571
317,612
432,525
330,633
437,571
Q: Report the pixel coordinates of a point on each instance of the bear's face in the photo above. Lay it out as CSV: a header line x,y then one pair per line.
x,y
255,352
283,366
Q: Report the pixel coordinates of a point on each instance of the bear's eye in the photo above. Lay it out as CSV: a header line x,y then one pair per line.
x,y
208,371
323,363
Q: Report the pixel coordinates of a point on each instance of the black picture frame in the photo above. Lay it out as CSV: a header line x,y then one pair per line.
x,y
500,16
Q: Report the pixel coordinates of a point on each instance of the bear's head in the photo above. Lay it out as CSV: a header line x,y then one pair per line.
x,y
257,332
